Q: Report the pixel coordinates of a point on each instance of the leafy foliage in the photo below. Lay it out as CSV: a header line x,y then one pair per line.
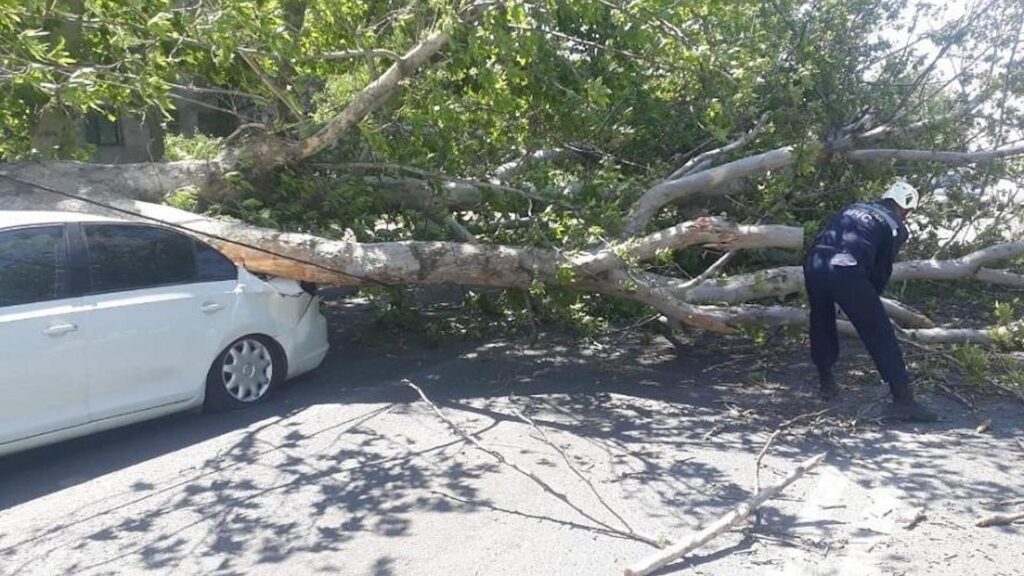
x,y
632,90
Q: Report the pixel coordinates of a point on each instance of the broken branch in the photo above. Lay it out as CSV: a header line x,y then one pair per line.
x,y
734,517
568,462
704,160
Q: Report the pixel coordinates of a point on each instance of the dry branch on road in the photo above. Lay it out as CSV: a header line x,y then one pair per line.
x,y
1000,519
734,517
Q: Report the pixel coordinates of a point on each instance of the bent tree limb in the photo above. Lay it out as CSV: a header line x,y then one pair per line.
x,y
734,517
777,316
711,182
368,99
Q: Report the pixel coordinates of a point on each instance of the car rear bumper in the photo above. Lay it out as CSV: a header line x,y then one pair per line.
x,y
307,345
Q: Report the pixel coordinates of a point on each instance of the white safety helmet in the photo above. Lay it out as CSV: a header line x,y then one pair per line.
x,y
903,194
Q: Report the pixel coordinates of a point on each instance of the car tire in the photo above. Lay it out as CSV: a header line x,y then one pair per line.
x,y
245,374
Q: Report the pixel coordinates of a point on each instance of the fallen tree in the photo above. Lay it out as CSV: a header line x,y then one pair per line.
x,y
608,270
641,236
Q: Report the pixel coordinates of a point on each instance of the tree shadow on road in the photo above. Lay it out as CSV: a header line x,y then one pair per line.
x,y
671,441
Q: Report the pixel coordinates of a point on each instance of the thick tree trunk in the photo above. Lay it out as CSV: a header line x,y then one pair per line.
x,y
147,181
155,181
336,262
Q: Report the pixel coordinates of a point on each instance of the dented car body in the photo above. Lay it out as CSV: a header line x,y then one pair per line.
x,y
105,322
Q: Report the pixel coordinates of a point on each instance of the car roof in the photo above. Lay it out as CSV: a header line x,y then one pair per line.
x,y
12,218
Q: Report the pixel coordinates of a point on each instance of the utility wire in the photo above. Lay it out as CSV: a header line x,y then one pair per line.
x,y
216,237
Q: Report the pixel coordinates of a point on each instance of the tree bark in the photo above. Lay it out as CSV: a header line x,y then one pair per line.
x,y
706,159
147,181
707,231
705,181
980,157
369,98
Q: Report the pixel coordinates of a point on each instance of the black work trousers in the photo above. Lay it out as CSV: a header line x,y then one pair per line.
x,y
849,287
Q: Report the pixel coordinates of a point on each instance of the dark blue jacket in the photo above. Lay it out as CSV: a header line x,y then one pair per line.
x,y
865,231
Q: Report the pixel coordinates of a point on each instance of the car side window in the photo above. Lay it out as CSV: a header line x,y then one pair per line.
x,y
33,265
127,257
212,266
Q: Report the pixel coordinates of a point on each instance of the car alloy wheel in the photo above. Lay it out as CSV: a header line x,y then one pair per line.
x,y
247,370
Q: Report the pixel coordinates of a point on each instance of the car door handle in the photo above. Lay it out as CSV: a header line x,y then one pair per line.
x,y
58,329
211,307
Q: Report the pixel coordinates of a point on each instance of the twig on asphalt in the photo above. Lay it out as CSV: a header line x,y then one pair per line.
x,y
945,387
496,508
916,519
800,417
714,431
1000,519
568,462
723,524
760,456
771,439
795,542
500,458
950,391
757,470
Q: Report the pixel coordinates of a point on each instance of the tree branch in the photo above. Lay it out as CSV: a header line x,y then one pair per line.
x,y
710,182
510,170
352,54
334,262
715,232
706,159
276,90
369,98
706,181
147,181
945,157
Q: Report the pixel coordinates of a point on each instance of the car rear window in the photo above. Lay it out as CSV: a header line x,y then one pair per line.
x,y
125,257
212,266
32,265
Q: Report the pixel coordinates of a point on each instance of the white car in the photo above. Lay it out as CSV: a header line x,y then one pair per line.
x,y
105,322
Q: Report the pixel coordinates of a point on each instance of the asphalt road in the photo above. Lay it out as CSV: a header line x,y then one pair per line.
x,y
348,472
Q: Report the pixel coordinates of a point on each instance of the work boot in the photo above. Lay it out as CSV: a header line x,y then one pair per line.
x,y
829,388
910,411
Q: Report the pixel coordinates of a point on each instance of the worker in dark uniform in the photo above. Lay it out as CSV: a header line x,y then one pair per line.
x,y
849,264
